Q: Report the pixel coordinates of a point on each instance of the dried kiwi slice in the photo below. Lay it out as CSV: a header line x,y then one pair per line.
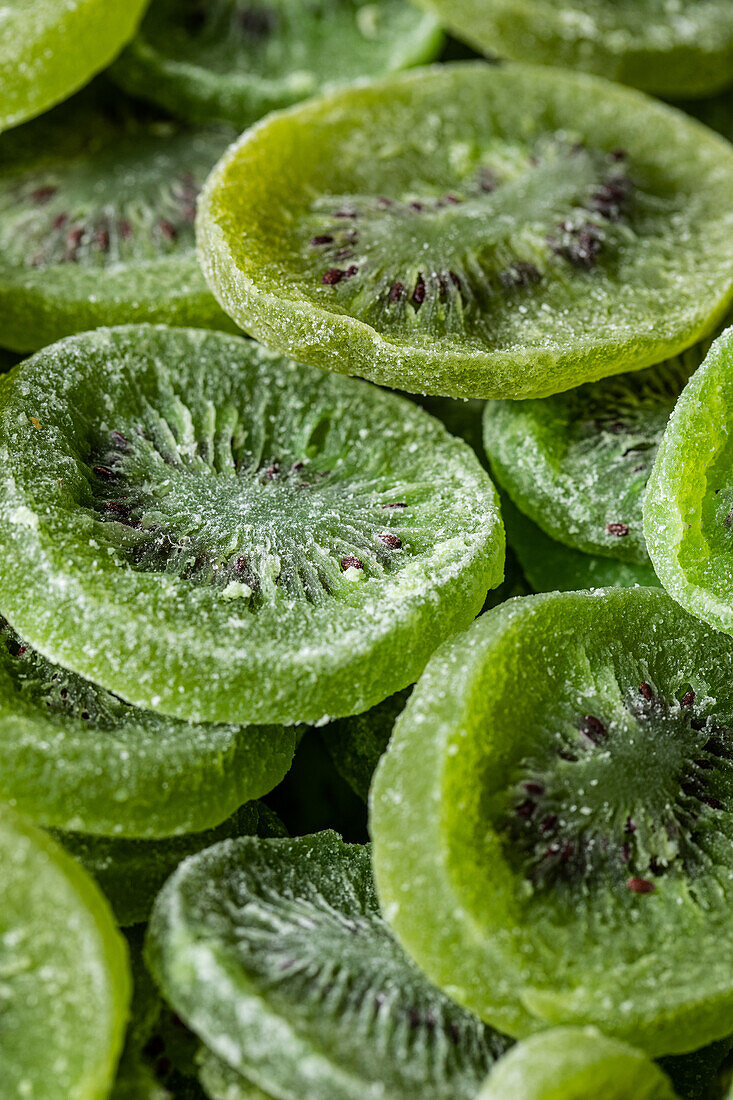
x,y
552,821
64,979
356,744
275,954
131,872
572,1063
221,1082
50,48
97,204
577,463
688,513
474,230
217,533
684,48
236,60
75,756
549,566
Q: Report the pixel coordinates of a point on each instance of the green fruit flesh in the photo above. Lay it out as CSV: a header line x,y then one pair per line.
x,y
474,230
50,48
65,982
97,204
221,1082
236,60
678,49
568,1063
275,954
552,819
77,757
215,533
577,464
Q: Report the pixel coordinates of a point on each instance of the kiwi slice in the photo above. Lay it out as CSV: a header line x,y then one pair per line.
x,y
221,1082
566,764
550,566
573,1063
77,757
64,978
577,463
50,48
679,49
97,204
356,744
236,60
688,510
275,954
474,231
131,872
219,534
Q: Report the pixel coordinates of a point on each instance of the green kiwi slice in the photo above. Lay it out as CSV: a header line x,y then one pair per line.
x,y
79,758
97,204
673,50
573,1063
566,766
550,566
221,1082
577,463
131,871
356,744
64,978
235,60
474,230
216,533
275,954
50,48
688,510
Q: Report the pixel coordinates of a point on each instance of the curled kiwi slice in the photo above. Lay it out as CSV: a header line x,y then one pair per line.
x,y
97,204
50,48
573,1063
678,49
219,534
688,513
235,60
474,230
577,463
64,978
356,744
552,821
77,757
275,954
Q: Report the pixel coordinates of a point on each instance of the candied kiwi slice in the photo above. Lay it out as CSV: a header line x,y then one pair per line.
x,y
688,512
356,744
288,935
235,60
51,48
219,534
577,463
79,758
567,764
65,977
97,205
553,230
574,1063
672,50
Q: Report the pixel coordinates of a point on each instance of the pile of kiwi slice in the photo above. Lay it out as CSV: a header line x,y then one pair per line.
x,y
366,550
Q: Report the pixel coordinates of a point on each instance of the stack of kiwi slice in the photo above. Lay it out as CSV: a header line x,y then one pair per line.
x,y
366,550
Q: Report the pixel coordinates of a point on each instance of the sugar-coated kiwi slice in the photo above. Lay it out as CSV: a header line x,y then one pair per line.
x,y
683,48
550,566
97,205
64,987
217,533
221,1082
688,512
474,230
274,952
132,871
77,757
235,60
552,819
573,1063
356,744
50,48
577,463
